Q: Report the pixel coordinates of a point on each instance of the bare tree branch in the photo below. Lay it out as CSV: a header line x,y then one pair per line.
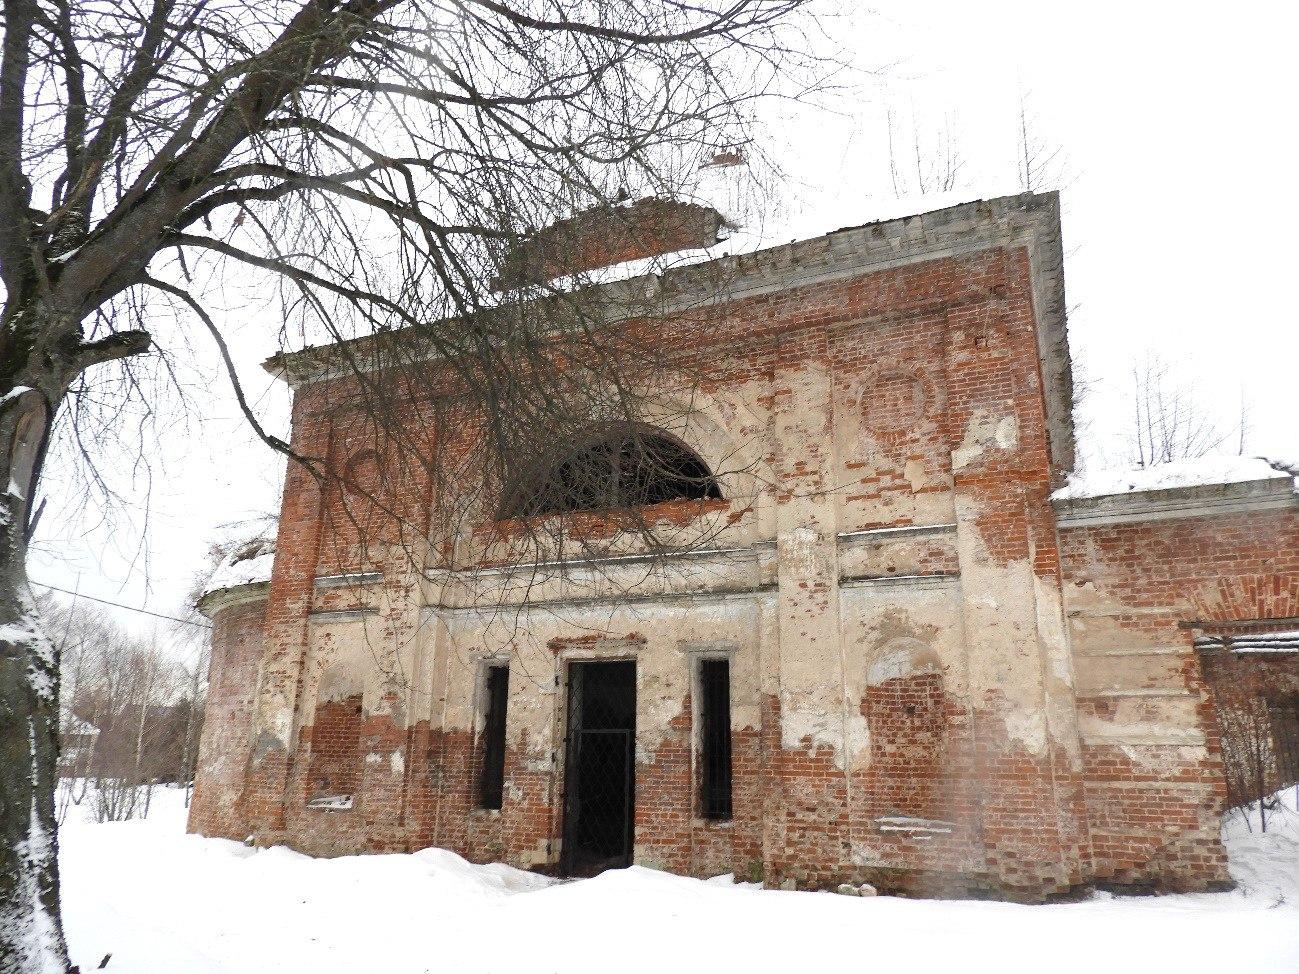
x,y
371,166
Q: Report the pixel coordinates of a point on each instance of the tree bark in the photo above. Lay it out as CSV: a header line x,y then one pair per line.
x,y
31,930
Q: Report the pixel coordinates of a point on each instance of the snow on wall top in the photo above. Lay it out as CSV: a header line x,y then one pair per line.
x,y
1201,472
243,555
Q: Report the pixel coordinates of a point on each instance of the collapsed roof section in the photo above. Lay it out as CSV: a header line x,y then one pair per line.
x,y
604,236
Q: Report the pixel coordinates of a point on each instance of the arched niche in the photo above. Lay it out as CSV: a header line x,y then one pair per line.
x,y
614,466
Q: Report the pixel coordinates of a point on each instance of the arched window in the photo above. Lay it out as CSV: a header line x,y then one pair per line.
x,y
620,467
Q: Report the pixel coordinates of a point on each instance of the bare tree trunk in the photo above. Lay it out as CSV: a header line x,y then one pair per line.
x,y
1260,771
146,697
185,117
31,932
191,712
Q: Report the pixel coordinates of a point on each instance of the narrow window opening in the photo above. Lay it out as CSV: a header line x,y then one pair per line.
x,y
491,776
715,738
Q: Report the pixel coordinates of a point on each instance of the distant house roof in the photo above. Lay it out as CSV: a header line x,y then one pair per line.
x,y
70,725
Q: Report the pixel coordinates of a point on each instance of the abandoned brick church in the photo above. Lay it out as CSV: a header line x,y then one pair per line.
x,y
910,654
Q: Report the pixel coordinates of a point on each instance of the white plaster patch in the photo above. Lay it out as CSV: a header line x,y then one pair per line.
x,y
985,431
909,823
817,727
1028,728
800,551
857,727
902,658
279,723
1099,731
1006,435
914,471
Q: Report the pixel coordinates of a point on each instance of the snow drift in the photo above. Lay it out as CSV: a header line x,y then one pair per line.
x,y
162,901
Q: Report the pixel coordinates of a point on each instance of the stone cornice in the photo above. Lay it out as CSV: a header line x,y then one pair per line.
x,y
1182,502
224,598
589,561
631,601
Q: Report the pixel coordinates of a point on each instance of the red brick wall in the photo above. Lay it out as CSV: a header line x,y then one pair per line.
x,y
1154,810
334,737
910,774
605,236
228,722
956,334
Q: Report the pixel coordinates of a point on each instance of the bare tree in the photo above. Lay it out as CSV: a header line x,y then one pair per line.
x,y
1040,165
924,165
195,673
1248,742
378,160
1168,422
130,700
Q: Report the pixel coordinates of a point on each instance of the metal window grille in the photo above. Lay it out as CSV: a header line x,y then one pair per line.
x,y
600,773
715,738
491,776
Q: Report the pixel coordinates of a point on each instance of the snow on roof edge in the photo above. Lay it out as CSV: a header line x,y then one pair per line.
x,y
1181,474
246,556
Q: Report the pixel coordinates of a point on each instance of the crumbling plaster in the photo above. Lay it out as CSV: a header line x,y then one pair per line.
x,y
887,421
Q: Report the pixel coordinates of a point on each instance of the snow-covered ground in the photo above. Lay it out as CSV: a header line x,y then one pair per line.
x,y
162,901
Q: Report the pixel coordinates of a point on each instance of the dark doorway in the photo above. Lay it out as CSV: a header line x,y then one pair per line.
x,y
599,778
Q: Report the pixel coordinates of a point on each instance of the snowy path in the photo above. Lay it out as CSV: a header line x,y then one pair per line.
x,y
162,901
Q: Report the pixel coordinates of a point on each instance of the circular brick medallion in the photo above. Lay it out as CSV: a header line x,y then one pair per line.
x,y
896,400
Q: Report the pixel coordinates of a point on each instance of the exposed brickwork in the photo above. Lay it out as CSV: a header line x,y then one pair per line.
x,y
334,738
917,817
228,728
1012,749
1154,807
606,236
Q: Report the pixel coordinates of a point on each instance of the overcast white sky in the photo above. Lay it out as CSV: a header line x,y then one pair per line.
x,y
1175,125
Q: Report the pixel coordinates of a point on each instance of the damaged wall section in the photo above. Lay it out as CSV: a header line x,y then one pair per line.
x,y
939,681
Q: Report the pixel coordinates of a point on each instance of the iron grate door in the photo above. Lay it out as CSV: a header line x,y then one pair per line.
x,y
599,779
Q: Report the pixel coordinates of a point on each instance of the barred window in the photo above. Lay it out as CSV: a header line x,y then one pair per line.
x,y
715,738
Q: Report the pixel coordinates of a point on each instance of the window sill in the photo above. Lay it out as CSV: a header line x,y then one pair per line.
x,y
607,523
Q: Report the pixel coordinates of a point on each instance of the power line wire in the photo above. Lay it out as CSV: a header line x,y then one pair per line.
x,y
119,605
